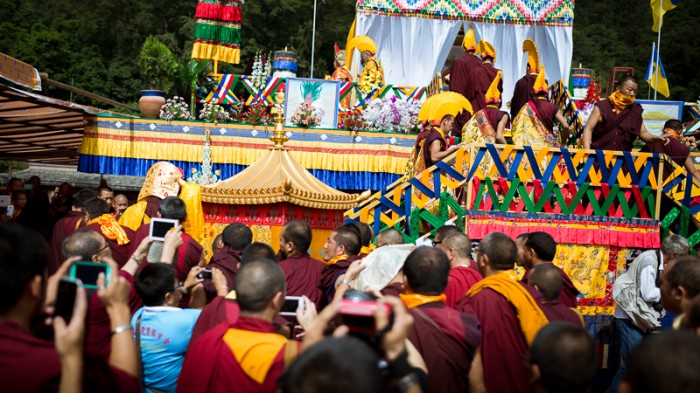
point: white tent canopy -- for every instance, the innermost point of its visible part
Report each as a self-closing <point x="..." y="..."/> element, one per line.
<point x="415" y="37"/>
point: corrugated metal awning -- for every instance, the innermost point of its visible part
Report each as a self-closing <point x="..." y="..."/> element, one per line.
<point x="37" y="128"/>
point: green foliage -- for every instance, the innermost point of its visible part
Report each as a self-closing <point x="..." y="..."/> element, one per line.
<point x="94" y="44"/>
<point x="158" y="65"/>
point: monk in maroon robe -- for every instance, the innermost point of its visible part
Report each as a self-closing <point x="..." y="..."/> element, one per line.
<point x="72" y="221"/>
<point x="508" y="313"/>
<point x="462" y="275"/>
<point x="120" y="252"/>
<point x="479" y="81"/>
<point x="540" y="248"/>
<point x="446" y="339"/>
<point x="302" y="273"/>
<point x="341" y="249"/>
<point x="616" y="122"/>
<point x="522" y="93"/>
<point x="226" y="260"/>
<point x="246" y="356"/>
<point x="547" y="279"/>
<point x="459" y="72"/>
<point x="674" y="149"/>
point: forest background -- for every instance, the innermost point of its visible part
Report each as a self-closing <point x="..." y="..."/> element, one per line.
<point x="94" y="44"/>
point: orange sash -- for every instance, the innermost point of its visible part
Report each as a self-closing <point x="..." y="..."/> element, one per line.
<point x="111" y="229"/>
<point x="414" y="300"/>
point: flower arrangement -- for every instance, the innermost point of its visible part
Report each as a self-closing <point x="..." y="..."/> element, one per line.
<point x="351" y="120"/>
<point x="392" y="114"/>
<point x="236" y="112"/>
<point x="260" y="71"/>
<point x="257" y="114"/>
<point x="306" y="116"/>
<point x="213" y="113"/>
<point x="175" y="109"/>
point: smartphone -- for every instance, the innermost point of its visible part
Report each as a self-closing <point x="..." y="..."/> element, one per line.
<point x="204" y="274"/>
<point x="87" y="273"/>
<point x="65" y="299"/>
<point x="290" y="305"/>
<point x="160" y="227"/>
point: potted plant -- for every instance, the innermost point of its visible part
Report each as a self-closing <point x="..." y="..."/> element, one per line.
<point x="194" y="73"/>
<point x="159" y="68"/>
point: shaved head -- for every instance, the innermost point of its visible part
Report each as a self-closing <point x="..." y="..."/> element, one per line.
<point x="547" y="279"/>
<point x="426" y="270"/>
<point x="257" y="283"/>
<point x="389" y="237"/>
<point x="565" y="355"/>
<point x="460" y="243"/>
<point x="83" y="243"/>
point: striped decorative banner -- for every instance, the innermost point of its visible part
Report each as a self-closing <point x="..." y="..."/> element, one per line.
<point x="217" y="33"/>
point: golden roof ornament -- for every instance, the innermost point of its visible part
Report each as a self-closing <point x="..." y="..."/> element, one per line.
<point x="277" y="177"/>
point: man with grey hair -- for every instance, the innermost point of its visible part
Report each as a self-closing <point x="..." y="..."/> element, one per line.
<point x="638" y="298"/>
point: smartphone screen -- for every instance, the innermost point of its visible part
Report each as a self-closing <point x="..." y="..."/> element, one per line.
<point x="65" y="299"/>
<point x="160" y="228"/>
<point x="290" y="305"/>
<point x="88" y="272"/>
<point x="205" y="275"/>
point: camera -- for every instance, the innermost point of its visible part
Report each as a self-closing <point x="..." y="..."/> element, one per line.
<point x="357" y="311"/>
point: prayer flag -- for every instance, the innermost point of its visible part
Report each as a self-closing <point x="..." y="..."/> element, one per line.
<point x="659" y="8"/>
<point x="655" y="68"/>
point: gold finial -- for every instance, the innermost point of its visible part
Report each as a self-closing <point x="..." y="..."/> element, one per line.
<point x="277" y="110"/>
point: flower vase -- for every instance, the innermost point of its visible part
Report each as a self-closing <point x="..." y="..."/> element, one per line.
<point x="150" y="103"/>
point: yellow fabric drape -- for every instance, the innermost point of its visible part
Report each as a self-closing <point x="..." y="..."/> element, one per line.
<point x="348" y="49"/>
<point x="530" y="316"/>
<point x="135" y="215"/>
<point x="191" y="194"/>
<point x="110" y="229"/>
<point x="414" y="300"/>
<point x="254" y="351"/>
<point x="620" y="101"/>
<point x="337" y="259"/>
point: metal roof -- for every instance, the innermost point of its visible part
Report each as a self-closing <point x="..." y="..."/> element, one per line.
<point x="37" y="128"/>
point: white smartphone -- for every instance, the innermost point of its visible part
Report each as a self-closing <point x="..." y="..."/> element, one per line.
<point x="290" y="305"/>
<point x="160" y="227"/>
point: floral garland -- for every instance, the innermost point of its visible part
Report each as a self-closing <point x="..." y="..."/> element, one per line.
<point x="370" y="79"/>
<point x="261" y="72"/>
<point x="175" y="109"/>
<point x="392" y="115"/>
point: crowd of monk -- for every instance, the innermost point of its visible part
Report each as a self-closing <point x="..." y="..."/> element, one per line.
<point x="440" y="318"/>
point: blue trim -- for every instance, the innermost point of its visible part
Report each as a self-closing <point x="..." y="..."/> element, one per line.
<point x="152" y="93"/>
<point x="351" y="181"/>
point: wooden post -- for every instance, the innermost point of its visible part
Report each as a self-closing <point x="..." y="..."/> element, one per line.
<point x="659" y="186"/>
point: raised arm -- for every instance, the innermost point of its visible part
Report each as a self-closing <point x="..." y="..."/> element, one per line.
<point x="500" y="129"/>
<point x="565" y="124"/>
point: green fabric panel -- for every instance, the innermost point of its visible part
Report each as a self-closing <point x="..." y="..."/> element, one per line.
<point x="219" y="33"/>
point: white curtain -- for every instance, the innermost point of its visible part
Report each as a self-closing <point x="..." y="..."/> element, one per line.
<point x="412" y="50"/>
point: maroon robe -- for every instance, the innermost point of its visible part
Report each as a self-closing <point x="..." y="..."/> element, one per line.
<point x="152" y="203"/>
<point x="459" y="73"/>
<point x="120" y="253"/>
<point x="461" y="120"/>
<point x="460" y="279"/>
<point x="226" y="260"/>
<point x="524" y="91"/>
<point x="546" y="111"/>
<point x="568" y="294"/>
<point x="616" y="131"/>
<point x="393" y="289"/>
<point x="219" y="311"/>
<point x="329" y="274"/>
<point x="556" y="311"/>
<point x="210" y="365"/>
<point x="302" y="273"/>
<point x="30" y="364"/>
<point x="63" y="228"/>
<point x="188" y="254"/>
<point x="98" y="337"/>
<point x="503" y="346"/>
<point x="432" y="136"/>
<point x="674" y="149"/>
<point x="494" y="115"/>
<point x="447" y="340"/>
<point x="479" y="82"/>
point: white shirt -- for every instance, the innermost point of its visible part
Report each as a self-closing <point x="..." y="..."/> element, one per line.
<point x="648" y="290"/>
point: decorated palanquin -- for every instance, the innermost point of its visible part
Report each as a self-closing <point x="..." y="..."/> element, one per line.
<point x="602" y="207"/>
<point x="272" y="191"/>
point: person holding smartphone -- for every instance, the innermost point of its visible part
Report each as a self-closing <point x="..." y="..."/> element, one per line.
<point x="30" y="364"/>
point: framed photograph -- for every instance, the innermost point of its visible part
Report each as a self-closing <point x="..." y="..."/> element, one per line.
<point x="656" y="113"/>
<point x="311" y="103"/>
